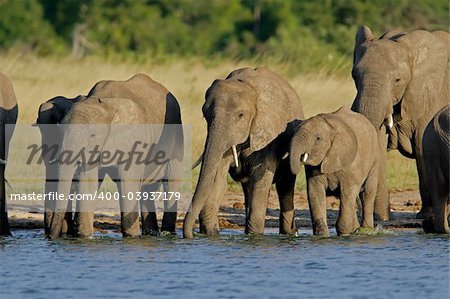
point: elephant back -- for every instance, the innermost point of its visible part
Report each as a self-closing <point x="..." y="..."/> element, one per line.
<point x="7" y="96"/>
<point x="152" y="97"/>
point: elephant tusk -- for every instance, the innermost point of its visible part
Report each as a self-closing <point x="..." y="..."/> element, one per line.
<point x="2" y="161"/>
<point x="285" y="156"/>
<point x="390" y="121"/>
<point x="305" y="157"/>
<point x="236" y="161"/>
<point x="197" y="162"/>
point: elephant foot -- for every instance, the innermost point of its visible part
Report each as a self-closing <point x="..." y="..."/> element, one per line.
<point x="212" y="233"/>
<point x="381" y="217"/>
<point x="151" y="232"/>
<point x="292" y="233"/>
<point x="166" y="233"/>
<point x="130" y="235"/>
<point x="428" y="225"/>
<point x="320" y="228"/>
<point x="424" y="213"/>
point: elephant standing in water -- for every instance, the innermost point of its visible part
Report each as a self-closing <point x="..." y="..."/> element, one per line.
<point x="402" y="81"/>
<point x="139" y="103"/>
<point x="247" y="117"/>
<point x="340" y="153"/>
<point x="436" y="150"/>
<point x="8" y="115"/>
<point x="50" y="114"/>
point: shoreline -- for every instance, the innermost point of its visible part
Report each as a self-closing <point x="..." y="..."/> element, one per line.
<point x="404" y="206"/>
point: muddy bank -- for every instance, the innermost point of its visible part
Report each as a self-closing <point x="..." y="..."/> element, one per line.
<point x="404" y="206"/>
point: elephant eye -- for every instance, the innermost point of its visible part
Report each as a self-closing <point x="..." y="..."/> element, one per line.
<point x="318" y="137"/>
<point x="397" y="80"/>
<point x="240" y="115"/>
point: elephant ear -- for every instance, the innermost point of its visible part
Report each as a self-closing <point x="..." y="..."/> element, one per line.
<point x="61" y="106"/>
<point x="429" y="63"/>
<point x="277" y="104"/>
<point x="344" y="145"/>
<point x="362" y="35"/>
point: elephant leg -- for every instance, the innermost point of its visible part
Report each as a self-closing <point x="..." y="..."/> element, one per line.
<point x="317" y="201"/>
<point x="427" y="208"/>
<point x="129" y="208"/>
<point x="88" y="182"/>
<point x="440" y="196"/>
<point x="285" y="190"/>
<point x="441" y="210"/>
<point x="345" y="224"/>
<point x="382" y="205"/>
<point x="148" y="212"/>
<point x="171" y="184"/>
<point x="257" y="202"/>
<point x="246" y="190"/>
<point x="368" y="199"/>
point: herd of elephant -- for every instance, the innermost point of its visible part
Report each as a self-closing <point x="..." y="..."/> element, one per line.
<point x="257" y="133"/>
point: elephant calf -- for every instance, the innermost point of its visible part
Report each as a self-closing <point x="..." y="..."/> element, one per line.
<point x="436" y="147"/>
<point x="340" y="154"/>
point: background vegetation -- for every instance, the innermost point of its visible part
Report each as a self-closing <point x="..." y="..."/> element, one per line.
<point x="306" y="35"/>
<point x="63" y="47"/>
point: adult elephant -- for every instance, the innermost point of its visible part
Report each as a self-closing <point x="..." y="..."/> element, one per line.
<point x="247" y="115"/>
<point x="8" y="115"/>
<point x="50" y="114"/>
<point x="139" y="103"/>
<point x="402" y="81"/>
<point x="436" y="150"/>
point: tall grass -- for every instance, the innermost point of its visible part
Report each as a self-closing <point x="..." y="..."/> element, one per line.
<point x="38" y="79"/>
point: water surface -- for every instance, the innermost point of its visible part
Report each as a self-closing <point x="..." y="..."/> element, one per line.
<point x="402" y="265"/>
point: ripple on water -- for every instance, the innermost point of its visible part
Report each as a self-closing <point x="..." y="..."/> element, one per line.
<point x="232" y="265"/>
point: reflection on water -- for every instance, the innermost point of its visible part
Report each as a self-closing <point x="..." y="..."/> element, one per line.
<point x="408" y="264"/>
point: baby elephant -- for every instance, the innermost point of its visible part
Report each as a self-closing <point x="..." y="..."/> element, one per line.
<point x="436" y="148"/>
<point x="340" y="153"/>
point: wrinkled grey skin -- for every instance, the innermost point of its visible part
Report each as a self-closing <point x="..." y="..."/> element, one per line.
<point x="404" y="75"/>
<point x="250" y="109"/>
<point x="138" y="101"/>
<point x="340" y="153"/>
<point x="8" y="115"/>
<point x="53" y="112"/>
<point x="436" y="150"/>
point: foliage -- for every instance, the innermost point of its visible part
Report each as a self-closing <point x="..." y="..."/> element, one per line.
<point x="305" y="34"/>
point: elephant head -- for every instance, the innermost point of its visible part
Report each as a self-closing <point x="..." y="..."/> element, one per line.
<point x="323" y="141"/>
<point x="396" y="74"/>
<point x="51" y="113"/>
<point x="244" y="113"/>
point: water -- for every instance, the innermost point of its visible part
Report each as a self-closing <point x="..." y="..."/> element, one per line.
<point x="400" y="265"/>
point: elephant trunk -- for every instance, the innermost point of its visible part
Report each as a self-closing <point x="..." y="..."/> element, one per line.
<point x="65" y="177"/>
<point x="213" y="154"/>
<point x="375" y="104"/>
<point x="50" y="186"/>
<point x="297" y="153"/>
<point x="66" y="171"/>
